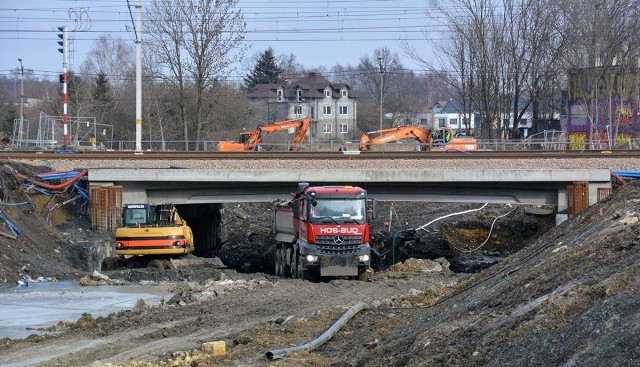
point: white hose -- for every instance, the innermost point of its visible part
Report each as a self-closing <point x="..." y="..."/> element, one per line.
<point x="490" y="230"/>
<point x="281" y="353"/>
<point x="451" y="215"/>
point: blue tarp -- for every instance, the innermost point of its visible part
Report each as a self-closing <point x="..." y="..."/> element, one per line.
<point x="628" y="174"/>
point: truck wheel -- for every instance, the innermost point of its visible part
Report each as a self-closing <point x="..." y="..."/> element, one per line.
<point x="286" y="264"/>
<point x="302" y="274"/>
<point x="294" y="265"/>
<point x="278" y="262"/>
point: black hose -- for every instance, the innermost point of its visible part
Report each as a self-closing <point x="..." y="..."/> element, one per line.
<point x="281" y="353"/>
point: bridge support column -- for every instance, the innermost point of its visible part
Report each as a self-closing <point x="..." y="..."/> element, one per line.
<point x="563" y="206"/>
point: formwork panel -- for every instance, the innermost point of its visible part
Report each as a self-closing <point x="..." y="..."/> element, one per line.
<point x="578" y="198"/>
<point x="604" y="193"/>
<point x="105" y="206"/>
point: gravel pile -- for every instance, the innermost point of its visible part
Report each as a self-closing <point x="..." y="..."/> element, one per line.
<point x="354" y="163"/>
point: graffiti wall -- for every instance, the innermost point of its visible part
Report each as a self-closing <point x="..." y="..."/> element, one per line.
<point x="602" y="105"/>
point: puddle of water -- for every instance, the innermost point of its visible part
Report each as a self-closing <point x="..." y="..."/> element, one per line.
<point x="44" y="304"/>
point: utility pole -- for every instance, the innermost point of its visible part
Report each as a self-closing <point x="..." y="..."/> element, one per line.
<point x="21" y="104"/>
<point x="381" y="87"/>
<point x="138" y="30"/>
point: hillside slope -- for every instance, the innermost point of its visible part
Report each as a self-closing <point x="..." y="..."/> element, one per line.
<point x="52" y="240"/>
<point x="569" y="299"/>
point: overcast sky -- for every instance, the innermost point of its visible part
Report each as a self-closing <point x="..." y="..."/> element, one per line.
<point x="318" y="33"/>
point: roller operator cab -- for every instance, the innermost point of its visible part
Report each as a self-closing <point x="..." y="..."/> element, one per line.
<point x="153" y="230"/>
<point x="323" y="231"/>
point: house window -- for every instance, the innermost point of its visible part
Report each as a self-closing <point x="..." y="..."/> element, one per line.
<point x="343" y="93"/>
<point x="326" y="129"/>
<point x="326" y="110"/>
<point x="523" y="122"/>
<point x="453" y="122"/>
<point x="299" y="95"/>
<point x="442" y="122"/>
<point x="327" y="93"/>
<point x="279" y="95"/>
<point x="297" y="110"/>
<point x="344" y="110"/>
<point x="313" y="112"/>
<point x="344" y="128"/>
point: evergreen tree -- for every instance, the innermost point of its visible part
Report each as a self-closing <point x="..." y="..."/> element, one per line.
<point x="101" y="91"/>
<point x="266" y="71"/>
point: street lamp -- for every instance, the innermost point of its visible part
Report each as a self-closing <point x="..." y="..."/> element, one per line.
<point x="21" y="102"/>
<point x="381" y="87"/>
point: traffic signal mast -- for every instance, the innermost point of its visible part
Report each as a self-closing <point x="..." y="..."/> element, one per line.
<point x="63" y="79"/>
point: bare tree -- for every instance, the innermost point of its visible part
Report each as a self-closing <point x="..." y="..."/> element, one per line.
<point x="471" y="52"/>
<point x="502" y="56"/>
<point x="545" y="43"/>
<point x="603" y="54"/>
<point x="113" y="57"/>
<point x="291" y="68"/>
<point x="196" y="42"/>
<point x="379" y="73"/>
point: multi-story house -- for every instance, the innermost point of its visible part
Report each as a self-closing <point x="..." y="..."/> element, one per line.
<point x="449" y="114"/>
<point x="332" y="107"/>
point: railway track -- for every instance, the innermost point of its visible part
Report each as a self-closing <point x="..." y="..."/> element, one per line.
<point x="306" y="155"/>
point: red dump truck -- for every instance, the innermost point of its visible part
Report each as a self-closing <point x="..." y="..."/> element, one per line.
<point x="323" y="231"/>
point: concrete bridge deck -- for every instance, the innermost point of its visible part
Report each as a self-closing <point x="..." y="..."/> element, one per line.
<point x="198" y="186"/>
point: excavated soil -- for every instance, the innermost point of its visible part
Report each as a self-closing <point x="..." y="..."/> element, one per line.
<point x="531" y="294"/>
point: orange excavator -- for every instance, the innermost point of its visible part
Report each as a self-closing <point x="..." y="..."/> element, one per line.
<point x="438" y="140"/>
<point x="250" y="141"/>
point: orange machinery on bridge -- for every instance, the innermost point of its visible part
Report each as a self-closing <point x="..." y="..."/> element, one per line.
<point x="438" y="140"/>
<point x="250" y="141"/>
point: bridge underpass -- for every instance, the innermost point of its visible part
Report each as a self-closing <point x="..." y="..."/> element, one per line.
<point x="200" y="194"/>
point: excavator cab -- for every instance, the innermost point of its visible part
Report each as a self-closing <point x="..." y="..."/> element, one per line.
<point x="136" y="215"/>
<point x="441" y="137"/>
<point x="244" y="137"/>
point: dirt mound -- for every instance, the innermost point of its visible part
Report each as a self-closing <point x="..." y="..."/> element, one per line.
<point x="568" y="299"/>
<point x="40" y="237"/>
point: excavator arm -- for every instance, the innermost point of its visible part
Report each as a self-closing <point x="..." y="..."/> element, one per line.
<point x="250" y="142"/>
<point x="393" y="135"/>
<point x="438" y="140"/>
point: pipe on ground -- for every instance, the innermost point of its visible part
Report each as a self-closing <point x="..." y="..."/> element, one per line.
<point x="281" y="353"/>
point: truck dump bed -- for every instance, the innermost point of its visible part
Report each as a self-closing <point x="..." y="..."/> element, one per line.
<point x="284" y="227"/>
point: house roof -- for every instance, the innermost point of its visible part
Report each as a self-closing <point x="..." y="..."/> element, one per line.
<point x="452" y="106"/>
<point x="312" y="85"/>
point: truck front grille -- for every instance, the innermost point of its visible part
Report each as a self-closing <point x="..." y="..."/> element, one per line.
<point x="338" y="245"/>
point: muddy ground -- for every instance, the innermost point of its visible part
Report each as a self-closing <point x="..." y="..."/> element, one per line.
<point x="532" y="294"/>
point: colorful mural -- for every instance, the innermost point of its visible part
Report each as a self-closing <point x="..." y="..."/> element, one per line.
<point x="602" y="105"/>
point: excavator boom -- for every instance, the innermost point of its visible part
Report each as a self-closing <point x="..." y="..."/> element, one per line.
<point x="393" y="135"/>
<point x="438" y="140"/>
<point x="251" y="141"/>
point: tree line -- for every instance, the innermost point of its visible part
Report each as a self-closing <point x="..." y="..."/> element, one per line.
<point x="499" y="58"/>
